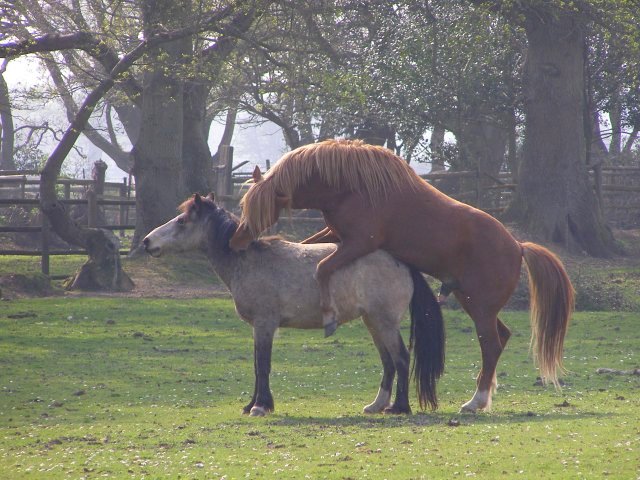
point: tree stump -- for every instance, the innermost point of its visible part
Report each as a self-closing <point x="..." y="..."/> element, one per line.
<point x="103" y="270"/>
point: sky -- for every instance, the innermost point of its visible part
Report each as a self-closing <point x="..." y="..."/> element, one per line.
<point x="254" y="144"/>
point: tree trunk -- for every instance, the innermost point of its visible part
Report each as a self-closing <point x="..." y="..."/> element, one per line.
<point x="435" y="145"/>
<point x="512" y="144"/>
<point x="196" y="156"/>
<point x="225" y="140"/>
<point x="484" y="146"/>
<point x="157" y="154"/>
<point x="615" y="118"/>
<point x="6" y="125"/>
<point x="555" y="198"/>
<point x="103" y="270"/>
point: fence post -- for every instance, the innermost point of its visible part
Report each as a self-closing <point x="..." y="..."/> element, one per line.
<point x="44" y="231"/>
<point x="98" y="176"/>
<point x="23" y="187"/>
<point x="224" y="184"/>
<point x="96" y="191"/>
<point x="92" y="208"/>
<point x="128" y="198"/>
<point x="123" y="196"/>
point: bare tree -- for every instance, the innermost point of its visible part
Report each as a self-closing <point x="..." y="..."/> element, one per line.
<point x="103" y="269"/>
<point x="6" y="123"/>
<point x="555" y="198"/>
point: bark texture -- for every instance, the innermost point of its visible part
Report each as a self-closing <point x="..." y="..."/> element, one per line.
<point x="157" y="154"/>
<point x="196" y="156"/>
<point x="6" y="125"/>
<point x="555" y="198"/>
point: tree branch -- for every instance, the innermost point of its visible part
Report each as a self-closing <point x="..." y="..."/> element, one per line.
<point x="51" y="207"/>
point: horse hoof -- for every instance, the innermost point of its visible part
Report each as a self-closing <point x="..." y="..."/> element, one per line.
<point x="468" y="409"/>
<point x="330" y="329"/>
<point x="372" y="409"/>
<point x="257" y="411"/>
<point x="393" y="410"/>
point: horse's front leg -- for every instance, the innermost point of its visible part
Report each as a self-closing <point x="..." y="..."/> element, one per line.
<point x="346" y="253"/>
<point x="326" y="235"/>
<point x="262" y="402"/>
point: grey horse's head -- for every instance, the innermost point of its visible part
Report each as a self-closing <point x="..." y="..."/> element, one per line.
<point x="187" y="231"/>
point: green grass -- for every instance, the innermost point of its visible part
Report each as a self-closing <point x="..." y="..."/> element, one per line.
<point x="613" y="288"/>
<point x="174" y="269"/>
<point x="127" y="388"/>
<point x="26" y="265"/>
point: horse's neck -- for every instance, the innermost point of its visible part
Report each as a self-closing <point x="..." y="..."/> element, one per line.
<point x="223" y="262"/>
<point x="316" y="194"/>
<point x="222" y="258"/>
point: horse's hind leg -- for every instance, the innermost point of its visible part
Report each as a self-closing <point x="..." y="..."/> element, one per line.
<point x="492" y="335"/>
<point x="247" y="408"/>
<point x="395" y="359"/>
<point x="400" y="356"/>
<point x="491" y="348"/>
<point x="504" y="333"/>
<point x="383" y="399"/>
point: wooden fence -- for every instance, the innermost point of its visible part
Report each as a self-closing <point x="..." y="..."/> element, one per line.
<point x="620" y="196"/>
<point x="98" y="203"/>
<point x="110" y="205"/>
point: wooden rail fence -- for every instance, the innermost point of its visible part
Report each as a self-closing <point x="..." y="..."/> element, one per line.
<point x="19" y="189"/>
<point x="619" y="195"/>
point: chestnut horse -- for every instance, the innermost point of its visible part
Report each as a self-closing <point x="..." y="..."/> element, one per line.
<point x="370" y="198"/>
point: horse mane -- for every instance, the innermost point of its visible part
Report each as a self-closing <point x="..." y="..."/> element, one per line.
<point x="347" y="165"/>
<point x="224" y="224"/>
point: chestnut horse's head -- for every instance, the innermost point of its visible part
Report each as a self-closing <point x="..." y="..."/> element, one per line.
<point x="261" y="208"/>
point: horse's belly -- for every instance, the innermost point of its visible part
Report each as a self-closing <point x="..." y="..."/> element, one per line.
<point x="305" y="312"/>
<point x="289" y="296"/>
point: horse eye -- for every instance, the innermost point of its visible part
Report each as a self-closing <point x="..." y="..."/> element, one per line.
<point x="181" y="221"/>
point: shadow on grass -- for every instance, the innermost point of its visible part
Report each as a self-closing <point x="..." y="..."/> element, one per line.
<point x="436" y="419"/>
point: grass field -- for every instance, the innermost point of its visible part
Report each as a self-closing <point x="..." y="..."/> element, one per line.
<point x="138" y="388"/>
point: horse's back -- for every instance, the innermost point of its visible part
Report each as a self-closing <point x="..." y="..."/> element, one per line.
<point x="444" y="237"/>
<point x="278" y="280"/>
<point x="374" y="284"/>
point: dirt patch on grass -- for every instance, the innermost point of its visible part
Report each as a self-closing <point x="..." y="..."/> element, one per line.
<point x="18" y="285"/>
<point x="601" y="284"/>
<point x="168" y="277"/>
<point x="187" y="276"/>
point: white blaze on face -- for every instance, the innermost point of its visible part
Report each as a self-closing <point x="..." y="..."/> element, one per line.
<point x="162" y="238"/>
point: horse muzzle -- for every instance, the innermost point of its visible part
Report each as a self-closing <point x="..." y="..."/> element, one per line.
<point x="151" y="250"/>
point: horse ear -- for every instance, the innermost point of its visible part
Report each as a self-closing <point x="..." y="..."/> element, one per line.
<point x="197" y="199"/>
<point x="282" y="201"/>
<point x="211" y="196"/>
<point x="257" y="174"/>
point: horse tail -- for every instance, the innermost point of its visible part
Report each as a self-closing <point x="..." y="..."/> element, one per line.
<point x="552" y="303"/>
<point x="426" y="341"/>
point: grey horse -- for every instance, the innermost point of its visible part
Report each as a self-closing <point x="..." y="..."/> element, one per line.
<point x="273" y="285"/>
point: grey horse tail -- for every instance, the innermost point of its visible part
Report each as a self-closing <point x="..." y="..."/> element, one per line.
<point x="426" y="341"/>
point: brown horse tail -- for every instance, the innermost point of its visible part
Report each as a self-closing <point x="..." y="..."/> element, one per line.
<point x="552" y="303"/>
<point x="427" y="340"/>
